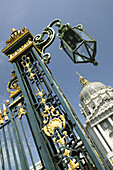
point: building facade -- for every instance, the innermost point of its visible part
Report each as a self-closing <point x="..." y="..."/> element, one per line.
<point x="97" y="107"/>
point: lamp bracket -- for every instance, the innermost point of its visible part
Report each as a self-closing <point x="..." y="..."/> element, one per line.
<point x="42" y="43"/>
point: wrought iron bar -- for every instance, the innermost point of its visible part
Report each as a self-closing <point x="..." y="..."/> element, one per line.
<point x="6" y="148"/>
<point x="21" y="144"/>
<point x="28" y="145"/>
<point x="2" y="157"/>
<point x="20" y="151"/>
<point x="12" y="146"/>
<point x="35" y="127"/>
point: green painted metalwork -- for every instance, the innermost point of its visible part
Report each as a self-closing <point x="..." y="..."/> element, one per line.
<point x="6" y="147"/>
<point x="66" y="106"/>
<point x="28" y="145"/>
<point x="40" y="143"/>
<point x="43" y="44"/>
<point x="1" y="156"/>
<point x="12" y="146"/>
<point x="40" y="107"/>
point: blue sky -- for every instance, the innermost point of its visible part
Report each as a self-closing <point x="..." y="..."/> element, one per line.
<point x="97" y="19"/>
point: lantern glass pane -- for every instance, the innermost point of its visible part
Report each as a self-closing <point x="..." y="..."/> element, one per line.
<point x="67" y="50"/>
<point x="72" y="39"/>
<point x="83" y="51"/>
<point x="82" y="34"/>
<point x="79" y="58"/>
<point x="91" y="47"/>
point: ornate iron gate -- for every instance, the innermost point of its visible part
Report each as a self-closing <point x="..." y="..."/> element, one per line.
<point x="40" y="112"/>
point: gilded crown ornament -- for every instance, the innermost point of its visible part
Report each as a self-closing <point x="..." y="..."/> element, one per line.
<point x="15" y="34"/>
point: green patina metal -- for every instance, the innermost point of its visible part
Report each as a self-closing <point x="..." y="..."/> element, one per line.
<point x="60" y="140"/>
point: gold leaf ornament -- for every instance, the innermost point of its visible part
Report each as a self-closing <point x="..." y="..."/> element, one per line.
<point x="53" y="124"/>
<point x="67" y="152"/>
<point x="5" y="114"/>
<point x="40" y="93"/>
<point x="21" y="112"/>
<point x="62" y="117"/>
<point x="73" y="165"/>
<point x="45" y="116"/>
<point x="45" y="129"/>
<point x="47" y="108"/>
<point x="1" y="119"/>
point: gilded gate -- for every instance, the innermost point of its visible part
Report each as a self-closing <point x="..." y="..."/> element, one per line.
<point x="39" y="123"/>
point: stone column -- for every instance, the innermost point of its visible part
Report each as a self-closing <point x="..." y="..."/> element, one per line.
<point x="104" y="136"/>
<point x="101" y="139"/>
<point x="110" y="121"/>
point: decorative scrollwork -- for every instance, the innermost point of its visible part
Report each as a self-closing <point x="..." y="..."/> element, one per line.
<point x="55" y="126"/>
<point x="54" y="122"/>
<point x="13" y="87"/>
<point x="43" y="44"/>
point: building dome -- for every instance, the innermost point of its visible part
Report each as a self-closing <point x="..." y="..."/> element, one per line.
<point x="97" y="108"/>
<point x="95" y="98"/>
<point x="89" y="88"/>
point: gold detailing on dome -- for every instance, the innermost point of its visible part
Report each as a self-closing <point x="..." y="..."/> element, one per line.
<point x="15" y="34"/>
<point x="83" y="81"/>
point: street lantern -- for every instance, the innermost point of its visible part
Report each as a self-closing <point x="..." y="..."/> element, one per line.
<point x="79" y="46"/>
